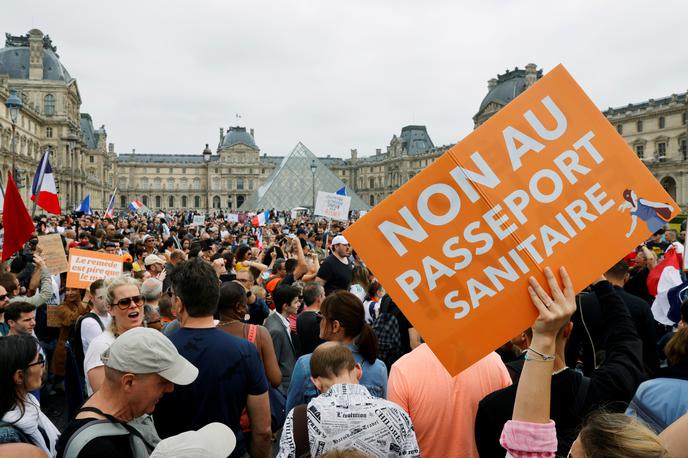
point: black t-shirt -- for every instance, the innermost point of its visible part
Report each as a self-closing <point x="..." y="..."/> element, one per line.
<point x="336" y="274"/>
<point x="229" y="370"/>
<point x="101" y="447"/>
<point x="637" y="284"/>
<point x="308" y="331"/>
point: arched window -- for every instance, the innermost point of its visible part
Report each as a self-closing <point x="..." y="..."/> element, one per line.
<point x="49" y="105"/>
<point x="170" y="202"/>
<point x="144" y="200"/>
<point x="216" y="202"/>
<point x="184" y="202"/>
<point x="669" y="185"/>
<point x="197" y="201"/>
<point x="158" y="202"/>
<point x="240" y="200"/>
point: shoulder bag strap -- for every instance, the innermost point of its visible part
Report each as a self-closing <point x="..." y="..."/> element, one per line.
<point x="303" y="447"/>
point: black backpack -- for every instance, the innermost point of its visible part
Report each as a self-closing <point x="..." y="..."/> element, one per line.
<point x="75" y="340"/>
<point x="386" y="327"/>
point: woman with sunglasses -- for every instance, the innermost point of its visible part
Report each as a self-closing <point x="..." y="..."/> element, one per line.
<point x="126" y="309"/>
<point x="341" y="320"/>
<point x="21" y="371"/>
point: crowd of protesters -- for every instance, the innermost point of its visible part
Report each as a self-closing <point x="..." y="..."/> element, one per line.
<point x="229" y="339"/>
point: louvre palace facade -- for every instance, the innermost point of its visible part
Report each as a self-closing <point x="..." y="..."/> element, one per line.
<point x="224" y="175"/>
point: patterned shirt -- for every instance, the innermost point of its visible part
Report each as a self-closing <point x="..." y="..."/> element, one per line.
<point x="348" y="416"/>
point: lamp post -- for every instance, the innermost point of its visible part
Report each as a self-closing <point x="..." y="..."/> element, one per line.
<point x="206" y="158"/>
<point x="314" y="167"/>
<point x="71" y="144"/>
<point x="14" y="105"/>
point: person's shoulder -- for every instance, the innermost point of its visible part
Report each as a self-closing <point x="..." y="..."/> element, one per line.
<point x="103" y="340"/>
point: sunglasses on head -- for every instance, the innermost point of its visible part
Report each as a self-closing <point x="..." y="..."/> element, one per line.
<point x="3" y="297"/>
<point x="125" y="302"/>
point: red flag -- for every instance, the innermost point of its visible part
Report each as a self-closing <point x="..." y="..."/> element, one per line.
<point x="16" y="221"/>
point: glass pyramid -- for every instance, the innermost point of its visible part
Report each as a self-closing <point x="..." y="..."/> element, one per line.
<point x="291" y="184"/>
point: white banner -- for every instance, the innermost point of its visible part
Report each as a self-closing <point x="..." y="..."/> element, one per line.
<point x="332" y="206"/>
<point x="232" y="218"/>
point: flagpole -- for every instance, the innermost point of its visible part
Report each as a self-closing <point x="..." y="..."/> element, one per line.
<point x="41" y="171"/>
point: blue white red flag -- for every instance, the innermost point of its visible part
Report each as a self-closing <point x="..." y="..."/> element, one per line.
<point x="110" y="211"/>
<point x="43" y="189"/>
<point x="261" y="218"/>
<point x="135" y="205"/>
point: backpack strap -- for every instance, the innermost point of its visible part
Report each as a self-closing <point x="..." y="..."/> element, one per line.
<point x="303" y="446"/>
<point x="139" y="445"/>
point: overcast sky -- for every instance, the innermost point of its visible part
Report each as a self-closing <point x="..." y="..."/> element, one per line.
<point x="164" y="76"/>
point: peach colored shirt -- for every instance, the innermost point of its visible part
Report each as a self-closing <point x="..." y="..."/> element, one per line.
<point x="443" y="408"/>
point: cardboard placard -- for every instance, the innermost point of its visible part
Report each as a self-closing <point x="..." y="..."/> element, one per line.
<point x="87" y="266"/>
<point x="332" y="206"/>
<point x="547" y="181"/>
<point x="53" y="253"/>
<point x="199" y="220"/>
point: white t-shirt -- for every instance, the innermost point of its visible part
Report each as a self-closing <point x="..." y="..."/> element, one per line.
<point x="90" y="329"/>
<point x="95" y="349"/>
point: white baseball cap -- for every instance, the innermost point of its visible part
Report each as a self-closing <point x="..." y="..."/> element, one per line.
<point x="147" y="351"/>
<point x="153" y="259"/>
<point x="339" y="240"/>
<point x="214" y="440"/>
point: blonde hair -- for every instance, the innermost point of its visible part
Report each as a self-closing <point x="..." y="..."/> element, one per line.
<point x="611" y="435"/>
<point x="259" y="291"/>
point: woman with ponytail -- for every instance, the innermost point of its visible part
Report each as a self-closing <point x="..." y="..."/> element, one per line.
<point x="341" y="320"/>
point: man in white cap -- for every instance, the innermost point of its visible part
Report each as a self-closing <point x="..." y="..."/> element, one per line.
<point x="140" y="367"/>
<point x="336" y="270"/>
<point x="155" y="265"/>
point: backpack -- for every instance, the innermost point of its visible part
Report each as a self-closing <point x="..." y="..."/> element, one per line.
<point x="386" y="327"/>
<point x="140" y="447"/>
<point x="76" y="343"/>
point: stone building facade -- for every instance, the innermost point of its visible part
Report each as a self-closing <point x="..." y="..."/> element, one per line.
<point x="49" y="118"/>
<point x="223" y="178"/>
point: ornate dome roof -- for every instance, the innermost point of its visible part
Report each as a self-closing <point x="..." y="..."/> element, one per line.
<point x="14" y="59"/>
<point x="238" y="135"/>
<point x="509" y="85"/>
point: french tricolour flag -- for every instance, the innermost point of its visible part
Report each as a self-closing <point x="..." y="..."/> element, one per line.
<point x="43" y="189"/>
<point x="135" y="205"/>
<point x="665" y="283"/>
<point x="261" y="218"/>
<point x="110" y="210"/>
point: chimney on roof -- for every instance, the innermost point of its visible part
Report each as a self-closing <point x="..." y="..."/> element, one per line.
<point x="222" y="135"/>
<point x="491" y="83"/>
<point x="531" y="74"/>
<point x="378" y="151"/>
<point x="111" y="147"/>
<point x="35" y="54"/>
<point x="253" y="136"/>
<point x="133" y="151"/>
<point x="354" y="154"/>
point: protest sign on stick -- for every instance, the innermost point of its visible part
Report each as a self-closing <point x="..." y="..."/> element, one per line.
<point x="547" y="181"/>
<point x="52" y="251"/>
<point x="87" y="266"/>
<point x="199" y="220"/>
<point x="332" y="206"/>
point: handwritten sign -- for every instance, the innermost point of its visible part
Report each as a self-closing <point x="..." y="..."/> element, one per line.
<point x="52" y="251"/>
<point x="539" y="184"/>
<point x="87" y="266"/>
<point x="332" y="206"/>
<point x="232" y="218"/>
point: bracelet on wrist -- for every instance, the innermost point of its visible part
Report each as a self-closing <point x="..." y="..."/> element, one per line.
<point x="538" y="356"/>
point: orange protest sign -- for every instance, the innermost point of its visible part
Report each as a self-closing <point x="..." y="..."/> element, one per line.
<point x="87" y="266"/>
<point x="547" y="181"/>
